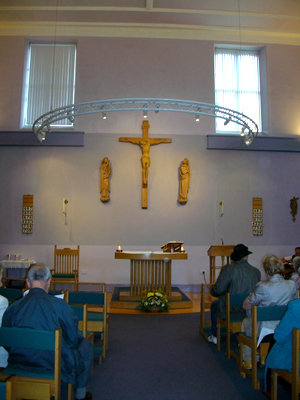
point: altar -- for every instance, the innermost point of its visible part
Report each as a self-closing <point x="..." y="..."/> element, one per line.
<point x="18" y="269"/>
<point x="149" y="270"/>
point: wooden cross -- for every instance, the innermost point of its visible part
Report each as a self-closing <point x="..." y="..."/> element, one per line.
<point x="145" y="142"/>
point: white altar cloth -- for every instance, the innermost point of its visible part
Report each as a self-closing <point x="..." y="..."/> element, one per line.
<point x="17" y="263"/>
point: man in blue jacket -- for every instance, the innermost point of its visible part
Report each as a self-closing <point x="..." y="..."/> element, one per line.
<point x="39" y="310"/>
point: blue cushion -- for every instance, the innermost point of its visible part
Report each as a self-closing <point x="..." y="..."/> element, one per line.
<point x="63" y="275"/>
<point x="28" y="373"/>
<point x="94" y="316"/>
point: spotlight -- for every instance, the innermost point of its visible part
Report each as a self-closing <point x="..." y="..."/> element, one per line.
<point x="226" y="122"/>
<point x="104" y="115"/>
<point x="247" y="142"/>
<point x="41" y="136"/>
<point x="145" y="114"/>
<point x="243" y="132"/>
<point x="70" y="117"/>
<point x="197" y="117"/>
<point x="157" y="108"/>
<point x="248" y="139"/>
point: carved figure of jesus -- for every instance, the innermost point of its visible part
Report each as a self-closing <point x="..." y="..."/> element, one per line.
<point x="105" y="171"/>
<point x="145" y="142"/>
<point x="145" y="146"/>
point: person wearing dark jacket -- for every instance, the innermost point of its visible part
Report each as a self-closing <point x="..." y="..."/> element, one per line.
<point x="40" y="310"/>
<point x="237" y="277"/>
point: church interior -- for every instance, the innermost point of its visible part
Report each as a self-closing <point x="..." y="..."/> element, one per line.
<point x="149" y="49"/>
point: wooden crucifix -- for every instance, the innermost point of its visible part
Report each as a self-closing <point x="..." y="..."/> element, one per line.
<point x="145" y="142"/>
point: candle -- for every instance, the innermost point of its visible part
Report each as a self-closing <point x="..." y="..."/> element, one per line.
<point x="119" y="248"/>
<point x="182" y="249"/>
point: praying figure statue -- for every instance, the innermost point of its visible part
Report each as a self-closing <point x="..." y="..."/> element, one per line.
<point x="105" y="172"/>
<point x="185" y="174"/>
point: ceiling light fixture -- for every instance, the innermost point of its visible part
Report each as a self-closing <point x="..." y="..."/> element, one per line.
<point x="71" y="111"/>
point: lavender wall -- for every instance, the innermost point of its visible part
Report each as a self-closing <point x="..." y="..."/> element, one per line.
<point x="119" y="68"/>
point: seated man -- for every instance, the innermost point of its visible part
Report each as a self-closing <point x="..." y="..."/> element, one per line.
<point x="237" y="277"/>
<point x="289" y="259"/>
<point x="275" y="291"/>
<point x="39" y="310"/>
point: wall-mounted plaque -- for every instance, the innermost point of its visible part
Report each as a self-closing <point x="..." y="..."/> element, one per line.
<point x="257" y="216"/>
<point x="27" y="214"/>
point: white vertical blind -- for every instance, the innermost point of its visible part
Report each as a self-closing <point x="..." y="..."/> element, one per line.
<point x="237" y="85"/>
<point x="50" y="80"/>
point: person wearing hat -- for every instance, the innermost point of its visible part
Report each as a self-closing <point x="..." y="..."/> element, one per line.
<point x="237" y="277"/>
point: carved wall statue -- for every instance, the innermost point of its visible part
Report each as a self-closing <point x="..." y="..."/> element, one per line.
<point x="184" y="186"/>
<point x="294" y="207"/>
<point x="105" y="171"/>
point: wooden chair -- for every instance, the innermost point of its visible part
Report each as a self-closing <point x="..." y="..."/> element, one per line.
<point x="97" y="318"/>
<point x="233" y="321"/>
<point x="81" y="312"/>
<point x="291" y="377"/>
<point x="66" y="266"/>
<point x="25" y="384"/>
<point x="204" y="328"/>
<point x="271" y="313"/>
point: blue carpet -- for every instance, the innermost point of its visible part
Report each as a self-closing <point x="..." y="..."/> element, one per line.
<point x="164" y="357"/>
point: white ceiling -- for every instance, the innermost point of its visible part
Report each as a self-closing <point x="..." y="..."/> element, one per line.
<point x="267" y="21"/>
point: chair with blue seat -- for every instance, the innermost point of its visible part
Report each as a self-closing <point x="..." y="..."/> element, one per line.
<point x="81" y="313"/>
<point x="258" y="314"/>
<point x="97" y="318"/>
<point x="233" y="321"/>
<point x="3" y="379"/>
<point x="26" y="384"/>
<point x="205" y="325"/>
<point x="66" y="266"/>
<point x="291" y="377"/>
<point x="11" y="294"/>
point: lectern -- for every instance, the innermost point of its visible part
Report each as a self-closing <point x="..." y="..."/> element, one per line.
<point x="223" y="251"/>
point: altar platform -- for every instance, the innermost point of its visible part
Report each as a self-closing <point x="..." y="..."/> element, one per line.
<point x="122" y="299"/>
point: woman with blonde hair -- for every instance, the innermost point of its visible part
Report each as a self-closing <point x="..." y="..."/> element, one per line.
<point x="275" y="290"/>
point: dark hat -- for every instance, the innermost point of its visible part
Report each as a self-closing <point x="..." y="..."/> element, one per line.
<point x="240" y="251"/>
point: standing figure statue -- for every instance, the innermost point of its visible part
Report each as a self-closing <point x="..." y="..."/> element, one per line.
<point x="185" y="174"/>
<point x="294" y="207"/>
<point x="105" y="172"/>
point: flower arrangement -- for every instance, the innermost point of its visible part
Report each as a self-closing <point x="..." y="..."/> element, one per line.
<point x="154" y="299"/>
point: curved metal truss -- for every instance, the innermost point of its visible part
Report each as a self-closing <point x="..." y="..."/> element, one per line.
<point x="249" y="128"/>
